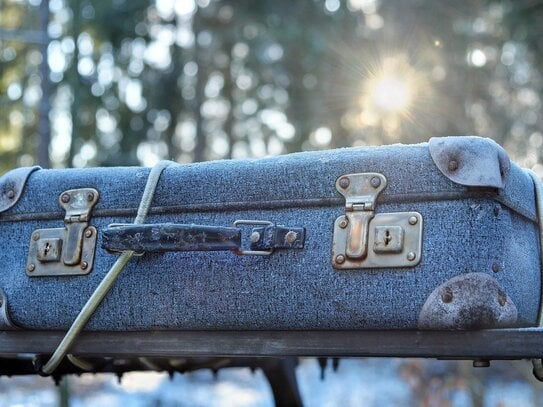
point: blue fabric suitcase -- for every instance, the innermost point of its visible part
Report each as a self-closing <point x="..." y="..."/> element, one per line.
<point x="440" y="235"/>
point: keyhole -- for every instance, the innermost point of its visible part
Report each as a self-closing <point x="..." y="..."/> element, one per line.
<point x="46" y="249"/>
<point x="388" y="238"/>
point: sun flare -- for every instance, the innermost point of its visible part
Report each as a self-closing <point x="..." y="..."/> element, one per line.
<point x="389" y="93"/>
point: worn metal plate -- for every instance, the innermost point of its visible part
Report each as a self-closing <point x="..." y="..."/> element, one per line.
<point x="406" y="255"/>
<point x="470" y="161"/>
<point x="48" y="267"/>
<point x="12" y="184"/>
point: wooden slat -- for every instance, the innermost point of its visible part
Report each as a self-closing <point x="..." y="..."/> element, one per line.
<point x="486" y="344"/>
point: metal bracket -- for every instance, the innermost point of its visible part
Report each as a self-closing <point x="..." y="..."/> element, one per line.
<point x="69" y="250"/>
<point x="363" y="239"/>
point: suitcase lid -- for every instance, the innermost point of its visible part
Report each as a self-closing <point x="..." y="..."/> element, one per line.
<point x="418" y="172"/>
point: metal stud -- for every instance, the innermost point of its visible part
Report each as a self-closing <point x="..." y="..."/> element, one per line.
<point x="65" y="198"/>
<point x="340" y="259"/>
<point x="413" y="220"/>
<point x="31" y="267"/>
<point x="291" y="236"/>
<point x="84" y="265"/>
<point x="10" y="194"/>
<point x="447" y="295"/>
<point x="453" y="165"/>
<point x="375" y="182"/>
<point x="411" y="256"/>
<point x="343" y="223"/>
<point x="344" y="182"/>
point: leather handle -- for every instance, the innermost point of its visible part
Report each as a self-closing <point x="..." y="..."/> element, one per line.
<point x="167" y="237"/>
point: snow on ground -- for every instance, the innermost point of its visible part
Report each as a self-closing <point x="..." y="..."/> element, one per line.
<point x="357" y="382"/>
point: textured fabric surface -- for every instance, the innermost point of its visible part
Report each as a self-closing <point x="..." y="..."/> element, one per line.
<point x="295" y="289"/>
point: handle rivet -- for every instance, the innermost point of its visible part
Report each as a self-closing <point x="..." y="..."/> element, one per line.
<point x="340" y="259"/>
<point x="11" y="194"/>
<point x="65" y="198"/>
<point x="291" y="236"/>
<point x="84" y="265"/>
<point x="413" y="220"/>
<point x="35" y="236"/>
<point x="31" y="267"/>
<point x="255" y="237"/>
<point x="88" y="233"/>
<point x="411" y="256"/>
<point x="343" y="223"/>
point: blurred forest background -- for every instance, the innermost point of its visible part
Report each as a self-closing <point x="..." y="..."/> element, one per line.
<point x="127" y="82"/>
<point x="130" y="82"/>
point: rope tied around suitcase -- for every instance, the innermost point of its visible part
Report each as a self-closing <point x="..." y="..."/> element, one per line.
<point x="109" y="279"/>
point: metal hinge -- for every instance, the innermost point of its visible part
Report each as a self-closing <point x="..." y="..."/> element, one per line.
<point x="364" y="239"/>
<point x="69" y="250"/>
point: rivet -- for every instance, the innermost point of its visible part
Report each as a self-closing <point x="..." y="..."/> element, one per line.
<point x="413" y="220"/>
<point x="31" y="267"/>
<point x="502" y="299"/>
<point x="481" y="363"/>
<point x="88" y="233"/>
<point x="255" y="237"/>
<point x="411" y="256"/>
<point x="343" y="223"/>
<point x="36" y="236"/>
<point x="10" y="194"/>
<point x="90" y="196"/>
<point x="453" y="165"/>
<point x="291" y="236"/>
<point x="375" y="182"/>
<point x="344" y="182"/>
<point x="340" y="259"/>
<point x="447" y="295"/>
<point x="84" y="265"/>
<point x="65" y="198"/>
<point x="495" y="267"/>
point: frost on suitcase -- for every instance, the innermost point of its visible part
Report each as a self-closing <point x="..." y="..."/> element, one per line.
<point x="441" y="235"/>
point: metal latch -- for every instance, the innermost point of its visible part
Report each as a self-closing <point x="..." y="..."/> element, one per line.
<point x="363" y="239"/>
<point x="68" y="250"/>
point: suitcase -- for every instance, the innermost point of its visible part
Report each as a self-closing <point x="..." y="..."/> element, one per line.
<point x="436" y="236"/>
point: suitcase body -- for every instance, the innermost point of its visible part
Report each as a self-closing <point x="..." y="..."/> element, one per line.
<point x="471" y="261"/>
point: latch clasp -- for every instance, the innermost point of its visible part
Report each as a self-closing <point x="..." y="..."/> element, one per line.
<point x="364" y="239"/>
<point x="69" y="250"/>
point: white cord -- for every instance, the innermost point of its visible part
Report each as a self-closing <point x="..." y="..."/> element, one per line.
<point x="109" y="279"/>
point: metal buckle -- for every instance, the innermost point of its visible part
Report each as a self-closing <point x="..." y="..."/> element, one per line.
<point x="69" y="250"/>
<point x="364" y="239"/>
<point x="241" y="252"/>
